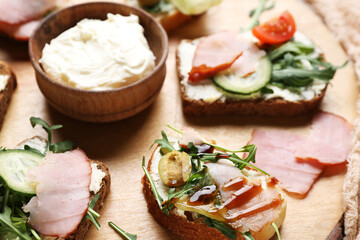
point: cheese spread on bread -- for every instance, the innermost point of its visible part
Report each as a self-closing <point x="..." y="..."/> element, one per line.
<point x="100" y="55"/>
<point x="3" y="81"/>
<point x="208" y="92"/>
<point x="97" y="176"/>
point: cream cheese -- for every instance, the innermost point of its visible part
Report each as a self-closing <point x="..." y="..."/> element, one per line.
<point x="100" y="55"/>
<point x="3" y="81"/>
<point x="208" y="92"/>
<point x="97" y="176"/>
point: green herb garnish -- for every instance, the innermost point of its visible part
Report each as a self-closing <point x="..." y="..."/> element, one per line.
<point x="91" y="214"/>
<point x="56" y="147"/>
<point x="255" y="14"/>
<point x="222" y="227"/>
<point x="165" y="145"/>
<point x="247" y="235"/>
<point x="124" y="234"/>
<point x="162" y="7"/>
<point x="276" y="230"/>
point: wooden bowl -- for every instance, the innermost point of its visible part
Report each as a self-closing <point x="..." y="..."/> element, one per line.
<point x="106" y="105"/>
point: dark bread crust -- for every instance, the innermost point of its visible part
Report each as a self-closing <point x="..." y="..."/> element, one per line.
<point x="180" y="226"/>
<point x="84" y="226"/>
<point x="261" y="107"/>
<point x="6" y="94"/>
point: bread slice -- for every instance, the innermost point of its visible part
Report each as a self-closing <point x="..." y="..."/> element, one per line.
<point x="230" y="106"/>
<point x="184" y="226"/>
<point x="169" y="20"/>
<point x="6" y="89"/>
<point x="39" y="143"/>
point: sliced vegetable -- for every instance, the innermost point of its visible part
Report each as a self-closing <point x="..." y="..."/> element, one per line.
<point x="277" y="30"/>
<point x="194" y="7"/>
<point x="14" y="165"/>
<point x="244" y="85"/>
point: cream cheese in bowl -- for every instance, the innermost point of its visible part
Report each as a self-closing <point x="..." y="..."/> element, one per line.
<point x="99" y="55"/>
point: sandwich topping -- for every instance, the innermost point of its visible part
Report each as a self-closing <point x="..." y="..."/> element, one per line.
<point x="276" y="62"/>
<point x="63" y="181"/>
<point x="221" y="188"/>
<point x="3" y="81"/>
<point x="45" y="188"/>
<point x="95" y="55"/>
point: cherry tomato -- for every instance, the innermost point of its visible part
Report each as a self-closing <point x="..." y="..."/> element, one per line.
<point x="277" y="30"/>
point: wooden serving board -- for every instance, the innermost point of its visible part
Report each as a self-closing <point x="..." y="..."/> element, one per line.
<point x="122" y="144"/>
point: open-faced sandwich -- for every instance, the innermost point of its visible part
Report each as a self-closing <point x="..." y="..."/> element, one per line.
<point x="49" y="191"/>
<point x="174" y="13"/>
<point x="269" y="69"/>
<point x="7" y="87"/>
<point x="199" y="190"/>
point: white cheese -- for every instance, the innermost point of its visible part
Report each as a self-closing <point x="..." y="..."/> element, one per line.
<point x="208" y="92"/>
<point x="3" y="81"/>
<point x="97" y="176"/>
<point x="100" y="55"/>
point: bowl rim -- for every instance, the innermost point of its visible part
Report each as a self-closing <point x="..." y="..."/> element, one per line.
<point x="158" y="67"/>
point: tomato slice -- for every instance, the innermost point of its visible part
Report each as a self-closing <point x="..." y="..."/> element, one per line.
<point x="277" y="30"/>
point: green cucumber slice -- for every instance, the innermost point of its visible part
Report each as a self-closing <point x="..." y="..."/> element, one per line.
<point x="14" y="165"/>
<point x="245" y="85"/>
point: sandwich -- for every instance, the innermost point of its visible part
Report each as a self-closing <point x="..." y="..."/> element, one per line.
<point x="48" y="190"/>
<point x="269" y="69"/>
<point x="7" y="87"/>
<point x="173" y="13"/>
<point x="199" y="190"/>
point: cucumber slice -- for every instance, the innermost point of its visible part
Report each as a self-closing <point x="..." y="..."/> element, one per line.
<point x="245" y="85"/>
<point x="14" y="165"/>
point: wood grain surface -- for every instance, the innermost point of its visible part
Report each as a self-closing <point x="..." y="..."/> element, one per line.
<point x="122" y="144"/>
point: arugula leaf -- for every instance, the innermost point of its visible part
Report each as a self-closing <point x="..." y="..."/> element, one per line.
<point x="61" y="147"/>
<point x="290" y="47"/>
<point x="7" y="225"/>
<point x="271" y="6"/>
<point x="56" y="147"/>
<point x="276" y="230"/>
<point x="165" y="145"/>
<point x="222" y="227"/>
<point x="91" y="214"/>
<point x="162" y="7"/>
<point x="255" y="14"/>
<point x="247" y="235"/>
<point x="157" y="196"/>
<point x="124" y="234"/>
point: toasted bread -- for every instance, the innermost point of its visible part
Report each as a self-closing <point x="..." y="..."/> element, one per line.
<point x="7" y="91"/>
<point x="39" y="143"/>
<point x="182" y="223"/>
<point x="258" y="106"/>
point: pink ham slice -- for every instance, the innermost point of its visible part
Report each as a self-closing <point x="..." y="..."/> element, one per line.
<point x="276" y="155"/>
<point x="214" y="53"/>
<point x="222" y="51"/>
<point x="62" y="193"/>
<point x="13" y="12"/>
<point x="18" y="18"/>
<point x="329" y="140"/>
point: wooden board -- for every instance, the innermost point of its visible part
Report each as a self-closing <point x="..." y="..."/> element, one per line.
<point x="122" y="144"/>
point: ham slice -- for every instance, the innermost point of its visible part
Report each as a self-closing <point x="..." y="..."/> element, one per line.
<point x="276" y="155"/>
<point x="13" y="12"/>
<point x="221" y="51"/>
<point x="329" y="140"/>
<point x="248" y="206"/>
<point x="18" y="18"/>
<point x="214" y="54"/>
<point x="62" y="194"/>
